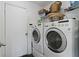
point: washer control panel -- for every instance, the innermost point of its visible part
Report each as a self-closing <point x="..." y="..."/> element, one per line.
<point x="63" y="23"/>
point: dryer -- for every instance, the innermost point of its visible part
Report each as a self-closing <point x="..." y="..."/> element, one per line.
<point x="36" y="36"/>
<point x="61" y="38"/>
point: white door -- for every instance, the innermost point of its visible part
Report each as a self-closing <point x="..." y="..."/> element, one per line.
<point x="16" y="27"/>
<point x="2" y="38"/>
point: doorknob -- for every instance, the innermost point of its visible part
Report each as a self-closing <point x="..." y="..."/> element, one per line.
<point x="1" y="44"/>
<point x="26" y="34"/>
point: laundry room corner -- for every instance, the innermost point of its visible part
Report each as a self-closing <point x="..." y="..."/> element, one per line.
<point x="39" y="28"/>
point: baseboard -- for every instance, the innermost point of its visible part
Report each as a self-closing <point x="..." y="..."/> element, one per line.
<point x="27" y="55"/>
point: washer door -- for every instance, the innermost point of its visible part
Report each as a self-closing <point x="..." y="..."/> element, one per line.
<point x="56" y="40"/>
<point x="36" y="35"/>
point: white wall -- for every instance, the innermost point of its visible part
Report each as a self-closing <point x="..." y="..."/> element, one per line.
<point x="32" y="12"/>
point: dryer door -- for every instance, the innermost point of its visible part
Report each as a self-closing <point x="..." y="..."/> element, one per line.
<point x="56" y="40"/>
<point x="36" y="35"/>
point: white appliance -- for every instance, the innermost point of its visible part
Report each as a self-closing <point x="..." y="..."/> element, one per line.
<point x="36" y="36"/>
<point x="61" y="38"/>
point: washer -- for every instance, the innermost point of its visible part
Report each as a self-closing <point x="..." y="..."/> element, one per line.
<point x="37" y="39"/>
<point x="61" y="38"/>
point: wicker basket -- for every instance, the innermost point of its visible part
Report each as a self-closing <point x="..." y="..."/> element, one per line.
<point x="55" y="16"/>
<point x="55" y="7"/>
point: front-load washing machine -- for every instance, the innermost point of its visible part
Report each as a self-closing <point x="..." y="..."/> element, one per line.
<point x="61" y="38"/>
<point x="36" y="36"/>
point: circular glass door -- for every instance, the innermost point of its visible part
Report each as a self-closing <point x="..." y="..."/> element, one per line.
<point x="36" y="35"/>
<point x="56" y="40"/>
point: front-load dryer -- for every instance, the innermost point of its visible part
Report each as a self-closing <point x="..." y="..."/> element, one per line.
<point x="37" y="39"/>
<point x="61" y="38"/>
